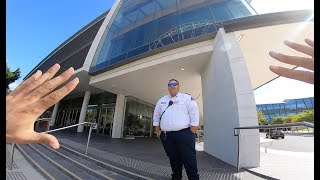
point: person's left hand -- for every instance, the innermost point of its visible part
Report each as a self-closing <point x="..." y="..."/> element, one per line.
<point x="193" y="129"/>
<point x="305" y="62"/>
<point x="29" y="100"/>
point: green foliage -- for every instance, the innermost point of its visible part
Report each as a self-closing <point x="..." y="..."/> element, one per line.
<point x="261" y="119"/>
<point x="289" y="119"/>
<point x="277" y="120"/>
<point x="11" y="76"/>
<point x="307" y="116"/>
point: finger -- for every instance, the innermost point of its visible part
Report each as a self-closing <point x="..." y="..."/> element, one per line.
<point x="307" y="63"/>
<point x="309" y="42"/>
<point x="54" y="97"/>
<point x="20" y="91"/>
<point x="47" y="139"/>
<point x="305" y="76"/>
<point x="49" y="86"/>
<point x="45" y="77"/>
<point x="301" y="48"/>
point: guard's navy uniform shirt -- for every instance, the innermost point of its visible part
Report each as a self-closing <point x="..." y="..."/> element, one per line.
<point x="183" y="113"/>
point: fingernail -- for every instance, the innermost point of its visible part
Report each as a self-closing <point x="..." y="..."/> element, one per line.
<point x="38" y="72"/>
<point x="71" y="69"/>
<point x="286" y="42"/>
<point x="75" y="80"/>
<point x="272" y="67"/>
<point x="54" y="145"/>
<point x="272" y="53"/>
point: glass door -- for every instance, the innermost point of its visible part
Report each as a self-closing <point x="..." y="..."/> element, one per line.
<point x="138" y="118"/>
<point x="105" y="121"/>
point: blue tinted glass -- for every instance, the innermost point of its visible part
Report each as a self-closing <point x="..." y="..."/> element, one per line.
<point x="142" y="26"/>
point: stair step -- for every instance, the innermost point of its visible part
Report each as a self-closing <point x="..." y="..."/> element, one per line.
<point x="66" y="163"/>
<point x="41" y="162"/>
<point x="86" y="164"/>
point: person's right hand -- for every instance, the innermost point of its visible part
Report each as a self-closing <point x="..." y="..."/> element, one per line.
<point x="158" y="130"/>
<point x="308" y="63"/>
<point x="30" y="99"/>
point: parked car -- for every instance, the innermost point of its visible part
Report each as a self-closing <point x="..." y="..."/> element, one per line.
<point x="275" y="134"/>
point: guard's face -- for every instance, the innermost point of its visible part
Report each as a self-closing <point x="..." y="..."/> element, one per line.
<point x="173" y="88"/>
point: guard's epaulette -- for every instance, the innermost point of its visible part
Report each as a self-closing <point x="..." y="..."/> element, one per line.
<point x="192" y="99"/>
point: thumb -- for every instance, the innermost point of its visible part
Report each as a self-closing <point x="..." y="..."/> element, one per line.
<point x="48" y="139"/>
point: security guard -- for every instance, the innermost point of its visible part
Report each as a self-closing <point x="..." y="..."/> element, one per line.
<point x="176" y="119"/>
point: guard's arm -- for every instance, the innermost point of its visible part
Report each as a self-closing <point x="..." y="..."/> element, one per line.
<point x="193" y="111"/>
<point x="156" y="118"/>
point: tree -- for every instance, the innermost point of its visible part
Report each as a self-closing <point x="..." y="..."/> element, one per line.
<point x="261" y="119"/>
<point x="307" y="116"/>
<point x="277" y="120"/>
<point x="11" y="76"/>
<point x="289" y="119"/>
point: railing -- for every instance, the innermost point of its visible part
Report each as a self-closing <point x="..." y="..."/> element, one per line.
<point x="237" y="132"/>
<point x="92" y="126"/>
<point x="200" y="135"/>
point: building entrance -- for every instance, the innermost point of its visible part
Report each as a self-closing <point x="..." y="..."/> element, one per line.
<point x="138" y="118"/>
<point x="105" y="121"/>
<point x="67" y="117"/>
<point x="103" y="116"/>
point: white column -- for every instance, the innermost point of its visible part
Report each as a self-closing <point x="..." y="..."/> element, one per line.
<point x="54" y="113"/>
<point x="118" y="117"/>
<point x="228" y="102"/>
<point x="83" y="112"/>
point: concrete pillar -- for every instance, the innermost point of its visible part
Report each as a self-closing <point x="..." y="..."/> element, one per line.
<point x="118" y="117"/>
<point x="54" y="114"/>
<point x="228" y="102"/>
<point x="83" y="112"/>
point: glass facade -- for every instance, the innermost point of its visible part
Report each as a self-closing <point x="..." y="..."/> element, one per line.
<point x="288" y="107"/>
<point x="138" y="118"/>
<point x="100" y="110"/>
<point x="142" y="26"/>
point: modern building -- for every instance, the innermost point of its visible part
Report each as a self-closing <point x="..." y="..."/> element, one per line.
<point x="217" y="49"/>
<point x="286" y="108"/>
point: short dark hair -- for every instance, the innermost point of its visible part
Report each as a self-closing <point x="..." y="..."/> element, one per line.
<point x="174" y="80"/>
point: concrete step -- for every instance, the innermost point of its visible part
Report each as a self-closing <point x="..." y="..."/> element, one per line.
<point x="61" y="164"/>
<point x="106" y="166"/>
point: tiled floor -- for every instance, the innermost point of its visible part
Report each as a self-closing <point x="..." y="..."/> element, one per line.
<point x="146" y="156"/>
<point x="21" y="169"/>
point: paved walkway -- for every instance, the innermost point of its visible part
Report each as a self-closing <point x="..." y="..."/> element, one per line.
<point x="21" y="169"/>
<point x="146" y="156"/>
<point x="286" y="165"/>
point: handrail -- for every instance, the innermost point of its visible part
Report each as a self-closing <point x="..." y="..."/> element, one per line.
<point x="92" y="126"/>
<point x="307" y="124"/>
<point x="237" y="129"/>
<point x="43" y="119"/>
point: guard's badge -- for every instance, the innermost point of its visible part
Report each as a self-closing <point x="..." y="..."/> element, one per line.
<point x="163" y="102"/>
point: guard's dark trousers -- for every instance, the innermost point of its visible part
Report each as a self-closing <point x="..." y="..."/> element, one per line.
<point x="180" y="148"/>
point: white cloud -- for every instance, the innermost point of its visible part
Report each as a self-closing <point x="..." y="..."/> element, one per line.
<point x="270" y="6"/>
<point x="15" y="84"/>
<point x="283" y="88"/>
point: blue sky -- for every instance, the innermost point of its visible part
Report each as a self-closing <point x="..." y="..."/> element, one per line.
<point x="34" y="28"/>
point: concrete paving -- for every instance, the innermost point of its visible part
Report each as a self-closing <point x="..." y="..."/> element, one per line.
<point x="286" y="164"/>
<point x="21" y="169"/>
<point x="146" y="156"/>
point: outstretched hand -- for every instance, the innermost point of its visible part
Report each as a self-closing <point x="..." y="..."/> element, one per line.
<point x="306" y="62"/>
<point x="30" y="99"/>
